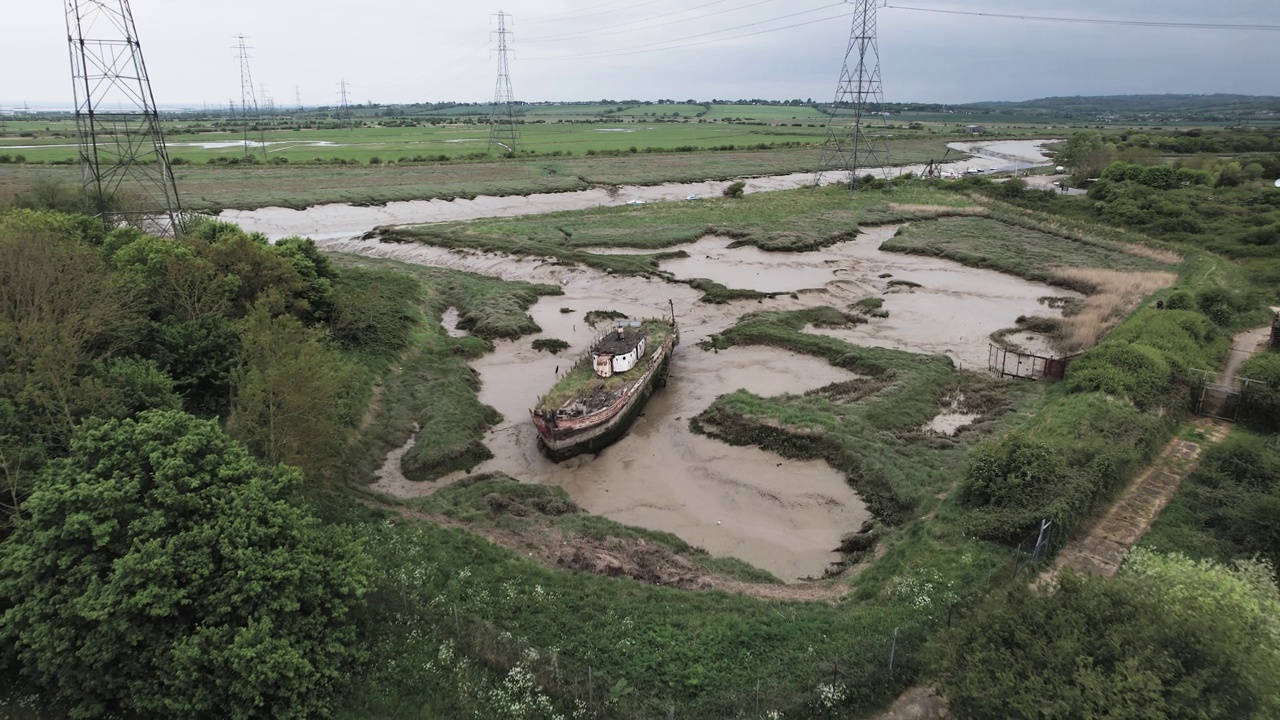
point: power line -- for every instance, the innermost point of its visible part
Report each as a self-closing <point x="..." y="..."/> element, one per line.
<point x="546" y="18"/>
<point x="597" y="31"/>
<point x="1094" y="21"/>
<point x="637" y="49"/>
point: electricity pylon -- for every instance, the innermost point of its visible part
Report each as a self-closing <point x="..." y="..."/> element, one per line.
<point x="504" y="132"/>
<point x="859" y="101"/>
<point x="250" y="115"/>
<point x="124" y="164"/>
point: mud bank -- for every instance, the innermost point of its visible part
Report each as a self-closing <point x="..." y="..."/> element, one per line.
<point x="340" y="221"/>
<point x="782" y="515"/>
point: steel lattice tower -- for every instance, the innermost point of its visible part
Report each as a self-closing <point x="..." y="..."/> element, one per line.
<point x="344" y="110"/>
<point x="504" y="132"/>
<point x="124" y="165"/>
<point x="249" y="113"/>
<point x="859" y="97"/>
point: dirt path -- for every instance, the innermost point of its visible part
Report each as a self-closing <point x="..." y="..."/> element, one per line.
<point x="1103" y="549"/>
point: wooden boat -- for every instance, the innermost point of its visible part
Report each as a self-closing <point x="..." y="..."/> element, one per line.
<point x="594" y="404"/>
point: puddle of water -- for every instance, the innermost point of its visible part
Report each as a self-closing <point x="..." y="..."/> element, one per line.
<point x="949" y="423"/>
<point x="338" y="221"/>
<point x="449" y="320"/>
<point x="752" y="268"/>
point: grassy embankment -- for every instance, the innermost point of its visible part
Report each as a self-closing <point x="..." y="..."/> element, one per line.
<point x="581" y="380"/>
<point x="785" y="221"/>
<point x="1121" y="402"/>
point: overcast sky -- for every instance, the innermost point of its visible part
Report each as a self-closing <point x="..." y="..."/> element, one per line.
<point x="396" y="51"/>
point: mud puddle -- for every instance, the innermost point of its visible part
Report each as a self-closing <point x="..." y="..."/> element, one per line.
<point x="339" y="221"/>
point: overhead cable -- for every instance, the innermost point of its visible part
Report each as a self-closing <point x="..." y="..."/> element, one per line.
<point x="636" y="49"/>
<point x="1095" y="21"/>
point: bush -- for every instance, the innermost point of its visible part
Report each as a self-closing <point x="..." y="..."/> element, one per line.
<point x="1012" y="466"/>
<point x="1260" y="405"/>
<point x="373" y="311"/>
<point x="735" y="190"/>
<point x="1166" y="638"/>
<point x="163" y="572"/>
<point x="551" y="345"/>
<point x="1135" y="372"/>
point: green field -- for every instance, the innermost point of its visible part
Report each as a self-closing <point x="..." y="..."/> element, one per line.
<point x="211" y="187"/>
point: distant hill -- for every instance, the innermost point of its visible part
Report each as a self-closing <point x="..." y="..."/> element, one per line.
<point x="1200" y="107"/>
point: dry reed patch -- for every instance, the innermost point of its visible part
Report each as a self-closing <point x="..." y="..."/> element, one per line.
<point x="965" y="209"/>
<point x="1167" y="257"/>
<point x="1115" y="295"/>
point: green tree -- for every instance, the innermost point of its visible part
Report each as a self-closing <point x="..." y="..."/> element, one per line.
<point x="317" y="273"/>
<point x="735" y="189"/>
<point x="60" y="310"/>
<point x="1086" y="154"/>
<point x="289" y="393"/>
<point x="163" y="573"/>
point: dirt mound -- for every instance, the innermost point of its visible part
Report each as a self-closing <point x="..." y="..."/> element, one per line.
<point x="634" y="558"/>
<point x="637" y="559"/>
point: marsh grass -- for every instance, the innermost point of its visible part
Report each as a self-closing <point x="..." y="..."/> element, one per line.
<point x="301" y="184"/>
<point x="785" y="221"/>
<point x="1021" y="251"/>
<point x="869" y="428"/>
<point x="430" y="384"/>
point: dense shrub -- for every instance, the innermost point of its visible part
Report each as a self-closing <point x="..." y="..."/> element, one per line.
<point x="1128" y="370"/>
<point x="1167" y="638"/>
<point x="1260" y="405"/>
<point x="1014" y="466"/>
<point x="163" y="572"/>
<point x="1078" y="453"/>
<point x="373" y="310"/>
